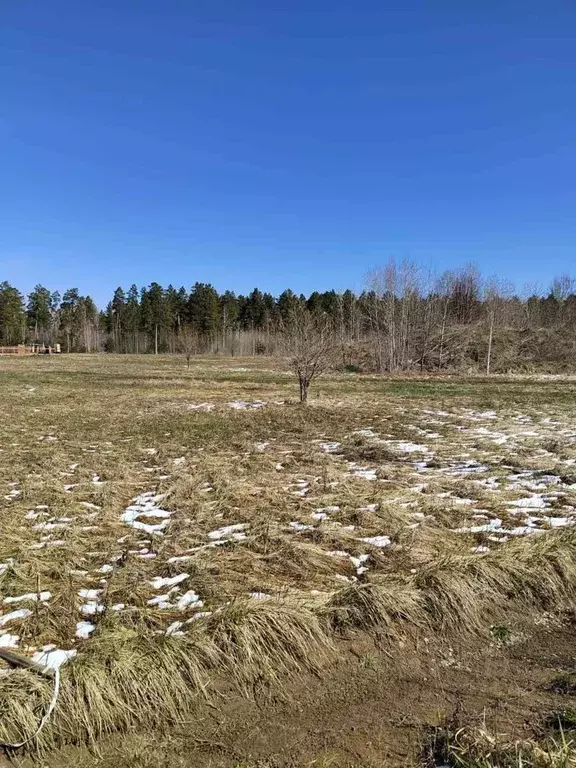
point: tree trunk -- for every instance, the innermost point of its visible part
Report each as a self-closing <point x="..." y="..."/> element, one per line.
<point x="490" y="336"/>
<point x="441" y="354"/>
<point x="303" y="390"/>
<point x="156" y="339"/>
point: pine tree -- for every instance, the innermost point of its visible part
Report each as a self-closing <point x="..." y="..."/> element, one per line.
<point x="132" y="319"/>
<point x="155" y="314"/>
<point x="69" y="316"/>
<point x="204" y="309"/>
<point x="288" y="303"/>
<point x="12" y="316"/>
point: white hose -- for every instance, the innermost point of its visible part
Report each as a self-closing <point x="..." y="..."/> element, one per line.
<point x="44" y="719"/>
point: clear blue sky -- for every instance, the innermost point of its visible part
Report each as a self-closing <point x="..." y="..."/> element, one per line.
<point x="248" y="142"/>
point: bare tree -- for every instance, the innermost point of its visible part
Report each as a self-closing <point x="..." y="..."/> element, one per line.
<point x="392" y="307"/>
<point x="187" y="342"/>
<point x="309" y="342"/>
<point x="497" y="294"/>
<point x="562" y="286"/>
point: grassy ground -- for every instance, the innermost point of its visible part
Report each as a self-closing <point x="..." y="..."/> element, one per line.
<point x="201" y="540"/>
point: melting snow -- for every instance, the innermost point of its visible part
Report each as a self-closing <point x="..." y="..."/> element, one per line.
<point x="21" y="613"/>
<point x="34" y="596"/>
<point x="329" y="447"/>
<point x="229" y="530"/>
<point x="158" y="582"/>
<point x="377" y="541"/>
<point x="53" y="658"/>
<point x="9" y="641"/>
<point x="84" y="629"/>
<point x="241" y="404"/>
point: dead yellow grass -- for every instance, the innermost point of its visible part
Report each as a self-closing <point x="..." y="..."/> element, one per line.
<point x="277" y="599"/>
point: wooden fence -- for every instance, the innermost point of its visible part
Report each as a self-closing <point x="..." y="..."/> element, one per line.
<point x="27" y="349"/>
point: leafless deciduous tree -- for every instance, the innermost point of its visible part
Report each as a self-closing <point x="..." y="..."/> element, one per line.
<point x="310" y="344"/>
<point x="497" y="296"/>
<point x="187" y="342"/>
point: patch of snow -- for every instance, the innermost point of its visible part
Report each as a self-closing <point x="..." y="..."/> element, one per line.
<point x="175" y="627"/>
<point x="227" y="530"/>
<point x="300" y="526"/>
<point x="242" y="404"/>
<point x="84" y="629"/>
<point x="410" y="447"/>
<point x="364" y="474"/>
<point x="365" y="433"/>
<point x="158" y="582"/>
<point x="533" y="502"/>
<point x="91" y="608"/>
<point x="53" y="658"/>
<point x="33" y="596"/>
<point x="9" y="641"/>
<point x="199" y="615"/>
<point x="21" y="613"/>
<point x="377" y="541"/>
<point x="329" y="447"/>
<point x="187" y="599"/>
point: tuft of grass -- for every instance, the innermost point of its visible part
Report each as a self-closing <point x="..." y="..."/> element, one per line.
<point x="476" y="747"/>
<point x="266" y="639"/>
<point x="562" y="720"/>
<point x="501" y="633"/>
<point x="368" y="606"/>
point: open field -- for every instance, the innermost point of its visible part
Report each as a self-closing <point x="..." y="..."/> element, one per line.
<point x="257" y="583"/>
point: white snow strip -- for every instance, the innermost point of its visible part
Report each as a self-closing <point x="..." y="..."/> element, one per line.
<point x="377" y="541"/>
<point x="364" y="474"/>
<point x="242" y="404"/>
<point x="158" y="582"/>
<point x="21" y="613"/>
<point x="33" y="596"/>
<point x="221" y="533"/>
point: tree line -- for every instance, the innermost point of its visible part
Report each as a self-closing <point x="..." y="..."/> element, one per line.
<point x="403" y="319"/>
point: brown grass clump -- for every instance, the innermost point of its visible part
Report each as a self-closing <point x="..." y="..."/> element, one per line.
<point x="540" y="572"/>
<point x="466" y="591"/>
<point x="265" y="639"/>
<point x="127" y="678"/>
<point x="385" y="606"/>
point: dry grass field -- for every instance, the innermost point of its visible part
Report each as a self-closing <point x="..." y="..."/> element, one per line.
<point x="224" y="577"/>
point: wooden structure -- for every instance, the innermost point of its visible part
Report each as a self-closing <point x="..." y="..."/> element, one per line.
<point x="30" y="349"/>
